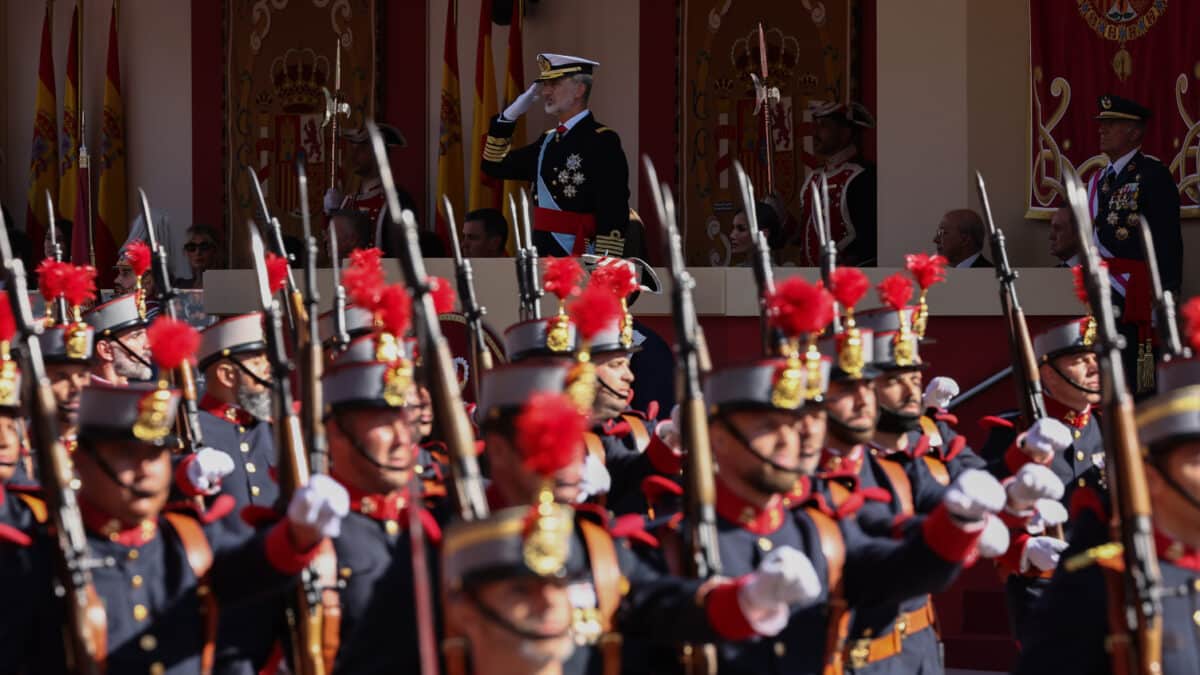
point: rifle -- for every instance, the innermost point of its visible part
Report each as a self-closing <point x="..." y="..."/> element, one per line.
<point x="295" y="305"/>
<point x="527" y="260"/>
<point x="86" y="628"/>
<point x="820" y="197"/>
<point x="1025" y="370"/>
<point x="422" y="583"/>
<point x="60" y="303"/>
<point x="340" y="337"/>
<point x="764" y="277"/>
<point x="189" y="421"/>
<point x="443" y="383"/>
<point x="309" y="345"/>
<point x="1164" y="300"/>
<point x="306" y="613"/>
<point x="701" y="556"/>
<point x="520" y="260"/>
<point x="480" y="357"/>
<point x="1141" y="653"/>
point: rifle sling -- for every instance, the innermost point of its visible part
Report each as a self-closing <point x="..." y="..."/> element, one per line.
<point x="606" y="577"/>
<point x="200" y="558"/>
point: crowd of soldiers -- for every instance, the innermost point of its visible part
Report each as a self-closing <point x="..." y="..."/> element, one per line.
<point x="324" y="502"/>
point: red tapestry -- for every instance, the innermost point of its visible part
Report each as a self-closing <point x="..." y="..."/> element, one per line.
<point x="1142" y="50"/>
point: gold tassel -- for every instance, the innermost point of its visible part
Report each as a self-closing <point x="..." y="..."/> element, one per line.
<point x="626" y="325"/>
<point x="812" y="359"/>
<point x="558" y="335"/>
<point x="921" y="317"/>
<point x="1145" y="367"/>
<point x="786" y="391"/>
<point x="581" y="380"/>
<point x="850" y="355"/>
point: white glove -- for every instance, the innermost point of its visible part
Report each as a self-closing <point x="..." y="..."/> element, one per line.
<point x="668" y="431"/>
<point x="596" y="479"/>
<point x="1042" y="553"/>
<point x="1046" y="438"/>
<point x="974" y="495"/>
<point x="332" y="200"/>
<point x="938" y="393"/>
<point x="208" y="468"/>
<point x="1046" y="513"/>
<point x="784" y="578"/>
<point x="523" y="103"/>
<point x="1032" y="482"/>
<point x="320" y="505"/>
<point x="993" y="542"/>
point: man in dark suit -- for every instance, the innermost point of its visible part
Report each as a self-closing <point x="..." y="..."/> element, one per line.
<point x="960" y="238"/>
<point x="579" y="171"/>
<point x="1132" y="185"/>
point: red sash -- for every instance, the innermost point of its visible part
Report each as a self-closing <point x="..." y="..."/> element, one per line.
<point x="582" y="225"/>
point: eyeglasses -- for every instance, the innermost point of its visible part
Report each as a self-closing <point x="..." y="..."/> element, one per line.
<point x="192" y="247"/>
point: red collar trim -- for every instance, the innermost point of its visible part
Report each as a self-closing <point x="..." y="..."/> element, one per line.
<point x="1072" y="418"/>
<point x="105" y="525"/>
<point x="382" y="507"/>
<point x="226" y="411"/>
<point x="1176" y="552"/>
<point x="835" y="464"/>
<point x="752" y="518"/>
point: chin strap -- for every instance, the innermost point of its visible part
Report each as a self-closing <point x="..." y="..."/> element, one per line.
<point x="132" y="354"/>
<point x="107" y="469"/>
<point x="1162" y="471"/>
<point x="493" y="616"/>
<point x="843" y="431"/>
<point x="1071" y="381"/>
<point x="249" y="373"/>
<point x="363" y="451"/>
<point x="896" y="422"/>
<point x="745" y="443"/>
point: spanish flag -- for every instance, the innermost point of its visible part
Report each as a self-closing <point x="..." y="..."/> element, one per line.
<point x="112" y="222"/>
<point x="514" y="86"/>
<point x="43" y="160"/>
<point x="69" y="184"/>
<point x="485" y="191"/>
<point x="450" y="146"/>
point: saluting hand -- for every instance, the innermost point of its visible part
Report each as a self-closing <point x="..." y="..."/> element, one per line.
<point x="523" y="103"/>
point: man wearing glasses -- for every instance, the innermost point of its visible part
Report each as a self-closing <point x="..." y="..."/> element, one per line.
<point x="203" y="253"/>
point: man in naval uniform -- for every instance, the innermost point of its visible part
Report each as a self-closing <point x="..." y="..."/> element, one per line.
<point x="370" y="198"/>
<point x="837" y="134"/>
<point x="1132" y="185"/>
<point x="580" y="170"/>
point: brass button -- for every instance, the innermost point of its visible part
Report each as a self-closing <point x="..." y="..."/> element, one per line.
<point x="136" y="581"/>
<point x="254" y="490"/>
<point x="345" y="572"/>
<point x="765" y="544"/>
<point x="1079" y="455"/>
<point x="157" y="668"/>
<point x="140" y="612"/>
<point x="780" y="649"/>
<point x="1082" y="482"/>
<point x="1196" y="585"/>
<point x="241" y="429"/>
<point x="148" y="643"/>
<point x="133" y="554"/>
<point x="391" y="526"/>
<point x="250" y="468"/>
<point x="1077" y="433"/>
<point x="245" y="446"/>
<point x="1196" y="617"/>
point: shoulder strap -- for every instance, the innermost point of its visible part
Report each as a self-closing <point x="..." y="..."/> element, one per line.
<point x="36" y="506"/>
<point x="606" y="576"/>
<point x="838" y="493"/>
<point x="937" y="469"/>
<point x="901" y="485"/>
<point x="594" y="445"/>
<point x="833" y="547"/>
<point x="641" y="435"/>
<point x="200" y="557"/>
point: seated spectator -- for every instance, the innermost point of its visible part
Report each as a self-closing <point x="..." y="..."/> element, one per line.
<point x="125" y="281"/>
<point x="62" y="232"/>
<point x="203" y="251"/>
<point x="1064" y="242"/>
<point x="484" y="234"/>
<point x="352" y="229"/>
<point x="739" y="235"/>
<point x="960" y="238"/>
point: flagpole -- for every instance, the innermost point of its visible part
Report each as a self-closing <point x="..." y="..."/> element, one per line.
<point x="79" y="68"/>
<point x="85" y="184"/>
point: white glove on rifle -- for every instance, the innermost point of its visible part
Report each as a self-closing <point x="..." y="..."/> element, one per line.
<point x="332" y="201"/>
<point x="523" y="103"/>
<point x="1031" y="483"/>
<point x="994" y="540"/>
<point x="321" y="505"/>
<point x="939" y="392"/>
<point x="784" y="578"/>
<point x="1046" y="438"/>
<point x="1042" y="553"/>
<point x="208" y="468"/>
<point x="596" y="479"/>
<point x="974" y="495"/>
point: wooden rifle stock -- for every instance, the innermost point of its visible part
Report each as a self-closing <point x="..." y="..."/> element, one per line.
<point x="86" y="626"/>
<point x="1125" y="470"/>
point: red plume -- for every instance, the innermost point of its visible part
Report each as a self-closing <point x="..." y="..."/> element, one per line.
<point x="798" y="307"/>
<point x="849" y="285"/>
<point x="550" y="432"/>
<point x="895" y="291"/>
<point x="277" y="268"/>
<point x="619" y="277"/>
<point x="394" y="309"/>
<point x="926" y="269"/>
<point x="8" y="324"/>
<point x="137" y="254"/>
<point x="52" y="278"/>
<point x="80" y="284"/>
<point x="595" y="309"/>
<point x="443" y="295"/>
<point x="172" y="342"/>
<point x="562" y="277"/>
<point x="363" y="278"/>
<point x="1080" y="287"/>
<point x="1191" y="322"/>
